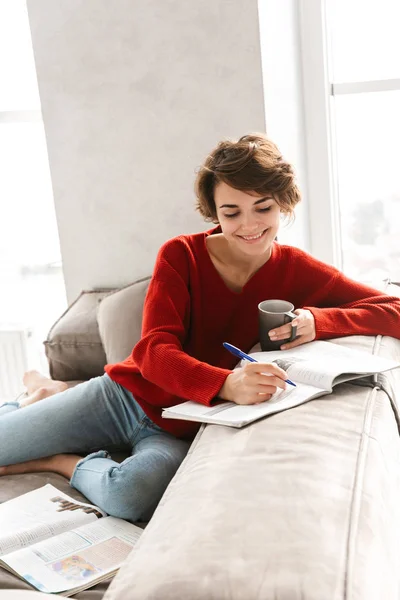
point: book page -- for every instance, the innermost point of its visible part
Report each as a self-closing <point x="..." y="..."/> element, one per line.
<point x="318" y="363"/>
<point x="237" y="415"/>
<point x="76" y="559"/>
<point x="41" y="514"/>
<point x="195" y="409"/>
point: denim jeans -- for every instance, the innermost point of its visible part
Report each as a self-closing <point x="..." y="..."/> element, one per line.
<point x="95" y="418"/>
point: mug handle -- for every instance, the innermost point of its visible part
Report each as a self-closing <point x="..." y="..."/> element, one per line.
<point x="292" y="316"/>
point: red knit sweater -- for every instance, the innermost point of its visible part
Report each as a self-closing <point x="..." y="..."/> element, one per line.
<point x="189" y="312"/>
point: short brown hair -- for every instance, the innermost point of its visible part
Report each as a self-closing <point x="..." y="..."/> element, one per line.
<point x="251" y="164"/>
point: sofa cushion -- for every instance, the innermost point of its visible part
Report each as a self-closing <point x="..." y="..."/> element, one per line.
<point x="119" y="318"/>
<point x="73" y="347"/>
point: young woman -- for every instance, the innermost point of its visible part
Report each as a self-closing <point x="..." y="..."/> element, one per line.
<point x="204" y="291"/>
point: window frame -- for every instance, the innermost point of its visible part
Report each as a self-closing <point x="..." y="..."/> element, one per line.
<point x="319" y="93"/>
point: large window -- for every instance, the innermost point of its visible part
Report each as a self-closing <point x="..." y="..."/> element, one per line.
<point x="32" y="286"/>
<point x="352" y="92"/>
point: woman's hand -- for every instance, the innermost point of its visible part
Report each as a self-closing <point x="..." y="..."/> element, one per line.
<point x="305" y="324"/>
<point x="253" y="383"/>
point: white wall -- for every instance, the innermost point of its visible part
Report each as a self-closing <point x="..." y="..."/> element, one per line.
<point x="134" y="94"/>
<point x="283" y="91"/>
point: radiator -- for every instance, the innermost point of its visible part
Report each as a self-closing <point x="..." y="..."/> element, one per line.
<point x="13" y="362"/>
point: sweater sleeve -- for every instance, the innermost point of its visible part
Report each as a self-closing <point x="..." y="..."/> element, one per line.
<point x="350" y="308"/>
<point x="159" y="355"/>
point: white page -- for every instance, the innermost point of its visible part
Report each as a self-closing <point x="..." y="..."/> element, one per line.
<point x="76" y="558"/>
<point x="318" y="363"/>
<point x="281" y="400"/>
<point x="194" y="409"/>
<point x="236" y="415"/>
<point x="40" y="514"/>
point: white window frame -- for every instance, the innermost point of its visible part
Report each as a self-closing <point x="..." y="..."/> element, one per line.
<point x="318" y="94"/>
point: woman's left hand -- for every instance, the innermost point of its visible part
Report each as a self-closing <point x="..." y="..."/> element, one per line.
<point x="305" y="324"/>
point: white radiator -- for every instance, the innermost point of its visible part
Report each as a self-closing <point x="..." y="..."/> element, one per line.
<point x="13" y="362"/>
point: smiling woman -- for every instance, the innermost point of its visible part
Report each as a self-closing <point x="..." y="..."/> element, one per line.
<point x="205" y="290"/>
<point x="248" y="227"/>
<point x="246" y="187"/>
<point x="249" y="224"/>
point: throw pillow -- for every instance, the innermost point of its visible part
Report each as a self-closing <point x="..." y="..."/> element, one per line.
<point x="73" y="346"/>
<point x="119" y="316"/>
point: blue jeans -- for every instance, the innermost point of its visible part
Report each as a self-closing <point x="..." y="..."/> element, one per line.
<point x="95" y="418"/>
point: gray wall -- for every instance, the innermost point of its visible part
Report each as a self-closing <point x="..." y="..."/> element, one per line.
<point x="134" y="93"/>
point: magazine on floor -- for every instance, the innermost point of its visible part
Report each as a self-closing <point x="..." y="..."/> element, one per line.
<point x="59" y="545"/>
<point x="315" y="368"/>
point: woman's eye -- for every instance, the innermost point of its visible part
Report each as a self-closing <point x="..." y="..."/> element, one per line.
<point x="231" y="216"/>
<point x="265" y="209"/>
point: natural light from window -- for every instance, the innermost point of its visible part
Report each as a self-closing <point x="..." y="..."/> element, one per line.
<point x="365" y="47"/>
<point x="33" y="292"/>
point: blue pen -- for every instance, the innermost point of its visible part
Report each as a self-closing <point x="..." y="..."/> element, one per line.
<point x="236" y="352"/>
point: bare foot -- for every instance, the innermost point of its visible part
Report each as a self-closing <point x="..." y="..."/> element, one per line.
<point x="39" y="386"/>
<point x="63" y="464"/>
<point x="33" y="380"/>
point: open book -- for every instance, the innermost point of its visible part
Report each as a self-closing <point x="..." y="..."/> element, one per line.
<point x="59" y="545"/>
<point x="315" y="368"/>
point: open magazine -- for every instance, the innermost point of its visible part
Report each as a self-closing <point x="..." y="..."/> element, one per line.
<point x="315" y="368"/>
<point x="59" y="545"/>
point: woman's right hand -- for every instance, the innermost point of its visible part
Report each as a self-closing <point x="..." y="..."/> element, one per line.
<point x="253" y="383"/>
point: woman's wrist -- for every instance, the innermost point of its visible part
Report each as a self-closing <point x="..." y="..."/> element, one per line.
<point x="225" y="391"/>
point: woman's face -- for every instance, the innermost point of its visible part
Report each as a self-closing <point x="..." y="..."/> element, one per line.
<point x="248" y="221"/>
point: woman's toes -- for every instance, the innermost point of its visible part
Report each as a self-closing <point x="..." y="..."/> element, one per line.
<point x="33" y="378"/>
<point x="59" y="386"/>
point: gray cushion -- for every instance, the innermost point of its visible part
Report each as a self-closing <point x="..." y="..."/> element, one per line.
<point x="73" y="347"/>
<point x="119" y="318"/>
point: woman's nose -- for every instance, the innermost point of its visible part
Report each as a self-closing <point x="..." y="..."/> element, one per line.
<point x="250" y="222"/>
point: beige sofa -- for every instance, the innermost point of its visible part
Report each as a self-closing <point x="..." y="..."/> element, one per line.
<point x="301" y="505"/>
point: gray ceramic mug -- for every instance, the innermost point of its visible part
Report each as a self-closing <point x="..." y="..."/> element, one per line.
<point x="274" y="313"/>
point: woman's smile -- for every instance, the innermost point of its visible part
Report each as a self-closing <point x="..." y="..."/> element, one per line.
<point x="253" y="238"/>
